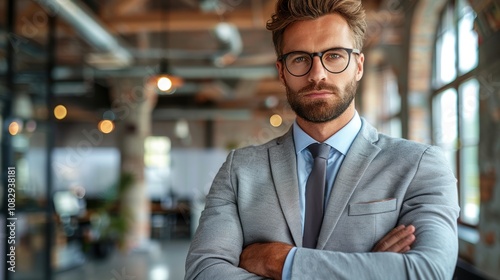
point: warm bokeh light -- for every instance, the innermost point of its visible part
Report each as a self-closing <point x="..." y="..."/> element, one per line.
<point x="164" y="84"/>
<point x="275" y="120"/>
<point x="60" y="112"/>
<point x="14" y="128"/>
<point x="106" y="126"/>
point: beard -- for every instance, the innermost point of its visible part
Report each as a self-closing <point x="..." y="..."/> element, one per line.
<point x="320" y="111"/>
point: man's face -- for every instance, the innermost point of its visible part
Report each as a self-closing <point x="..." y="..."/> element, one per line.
<point x="320" y="96"/>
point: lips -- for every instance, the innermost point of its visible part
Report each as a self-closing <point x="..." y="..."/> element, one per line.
<point x="321" y="89"/>
<point x="318" y="94"/>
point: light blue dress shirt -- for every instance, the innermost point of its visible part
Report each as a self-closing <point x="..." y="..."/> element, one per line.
<point x="340" y="142"/>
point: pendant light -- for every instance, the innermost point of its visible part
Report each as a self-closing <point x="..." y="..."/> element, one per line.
<point x="165" y="80"/>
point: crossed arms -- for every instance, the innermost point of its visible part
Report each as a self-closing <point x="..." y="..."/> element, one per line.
<point x="266" y="259"/>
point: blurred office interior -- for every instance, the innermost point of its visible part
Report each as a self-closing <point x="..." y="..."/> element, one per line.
<point x="110" y="172"/>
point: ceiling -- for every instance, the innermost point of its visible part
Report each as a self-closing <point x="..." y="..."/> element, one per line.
<point x="101" y="43"/>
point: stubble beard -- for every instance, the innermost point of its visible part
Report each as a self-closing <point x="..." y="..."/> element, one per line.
<point x="320" y="111"/>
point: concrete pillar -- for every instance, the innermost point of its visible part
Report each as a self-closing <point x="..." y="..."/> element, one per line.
<point x="132" y="104"/>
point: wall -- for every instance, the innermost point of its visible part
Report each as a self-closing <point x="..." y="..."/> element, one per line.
<point x="486" y="253"/>
<point x="478" y="246"/>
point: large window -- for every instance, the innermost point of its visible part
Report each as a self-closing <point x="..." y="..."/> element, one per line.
<point x="455" y="102"/>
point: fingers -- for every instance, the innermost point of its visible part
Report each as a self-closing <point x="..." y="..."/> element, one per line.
<point x="385" y="242"/>
<point x="397" y="240"/>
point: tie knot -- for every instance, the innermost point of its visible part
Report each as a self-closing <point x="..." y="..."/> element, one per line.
<point x="319" y="150"/>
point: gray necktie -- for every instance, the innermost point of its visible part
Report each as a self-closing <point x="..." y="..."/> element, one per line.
<point x="315" y="194"/>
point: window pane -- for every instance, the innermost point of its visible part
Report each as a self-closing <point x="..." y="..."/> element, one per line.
<point x="469" y="167"/>
<point x="447" y="58"/>
<point x="468" y="50"/>
<point x="445" y="50"/>
<point x="469" y="94"/>
<point x="445" y="118"/>
<point x="157" y="166"/>
<point x="469" y="185"/>
<point x="445" y="123"/>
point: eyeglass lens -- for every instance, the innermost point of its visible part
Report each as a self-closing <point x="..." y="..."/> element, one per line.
<point x="299" y="63"/>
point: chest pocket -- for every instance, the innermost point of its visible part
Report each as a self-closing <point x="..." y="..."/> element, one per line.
<point x="375" y="207"/>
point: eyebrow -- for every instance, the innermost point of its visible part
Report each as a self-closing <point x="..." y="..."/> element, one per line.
<point x="331" y="48"/>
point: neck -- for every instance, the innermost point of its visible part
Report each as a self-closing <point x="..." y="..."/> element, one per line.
<point x="322" y="131"/>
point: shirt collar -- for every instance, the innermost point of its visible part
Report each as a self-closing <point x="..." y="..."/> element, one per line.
<point x="341" y="140"/>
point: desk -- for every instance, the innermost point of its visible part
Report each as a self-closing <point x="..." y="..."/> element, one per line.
<point x="170" y="222"/>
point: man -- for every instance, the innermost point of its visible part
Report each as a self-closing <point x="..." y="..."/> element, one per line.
<point x="390" y="205"/>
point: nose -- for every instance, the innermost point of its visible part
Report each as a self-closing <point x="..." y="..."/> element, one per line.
<point x="317" y="72"/>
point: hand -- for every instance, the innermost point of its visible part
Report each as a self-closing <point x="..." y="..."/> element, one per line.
<point x="265" y="259"/>
<point x="397" y="240"/>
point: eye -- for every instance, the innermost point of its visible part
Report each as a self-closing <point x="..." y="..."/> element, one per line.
<point x="334" y="55"/>
<point x="298" y="58"/>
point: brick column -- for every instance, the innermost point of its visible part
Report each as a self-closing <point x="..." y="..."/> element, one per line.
<point x="133" y="103"/>
<point x="423" y="30"/>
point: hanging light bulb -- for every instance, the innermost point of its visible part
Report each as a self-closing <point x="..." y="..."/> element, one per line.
<point x="165" y="80"/>
<point x="164" y="84"/>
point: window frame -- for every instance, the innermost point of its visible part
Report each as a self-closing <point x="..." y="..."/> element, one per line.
<point x="439" y="87"/>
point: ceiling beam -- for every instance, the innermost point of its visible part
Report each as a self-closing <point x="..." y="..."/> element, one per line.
<point x="123" y="7"/>
<point x="182" y="21"/>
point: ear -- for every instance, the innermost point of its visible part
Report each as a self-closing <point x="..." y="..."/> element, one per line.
<point x="281" y="71"/>
<point x="360" y="63"/>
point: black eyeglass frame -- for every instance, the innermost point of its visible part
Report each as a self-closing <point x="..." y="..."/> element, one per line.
<point x="349" y="51"/>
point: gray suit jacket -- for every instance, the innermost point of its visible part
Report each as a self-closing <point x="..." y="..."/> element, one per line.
<point x="383" y="182"/>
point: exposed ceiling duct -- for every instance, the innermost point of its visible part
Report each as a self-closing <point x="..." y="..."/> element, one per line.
<point x="229" y="39"/>
<point x="112" y="54"/>
<point x="227" y="34"/>
<point x="233" y="72"/>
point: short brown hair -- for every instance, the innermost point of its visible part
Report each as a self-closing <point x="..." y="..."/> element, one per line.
<point x="290" y="11"/>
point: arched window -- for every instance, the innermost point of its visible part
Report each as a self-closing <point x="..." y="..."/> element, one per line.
<point x="455" y="101"/>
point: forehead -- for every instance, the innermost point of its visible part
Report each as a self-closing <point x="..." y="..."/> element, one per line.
<point x="314" y="35"/>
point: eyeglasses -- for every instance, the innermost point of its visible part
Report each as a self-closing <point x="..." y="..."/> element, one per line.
<point x="336" y="60"/>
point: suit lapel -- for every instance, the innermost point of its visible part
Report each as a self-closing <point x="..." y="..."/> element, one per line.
<point x="357" y="160"/>
<point x="284" y="171"/>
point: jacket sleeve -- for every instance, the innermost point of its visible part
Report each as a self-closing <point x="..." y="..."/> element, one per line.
<point x="216" y="247"/>
<point x="431" y="205"/>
